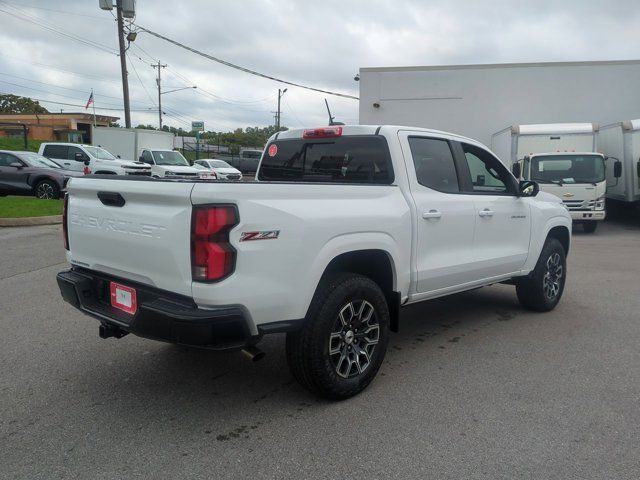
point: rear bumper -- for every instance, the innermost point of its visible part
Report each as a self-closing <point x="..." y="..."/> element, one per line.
<point x="160" y="315"/>
<point x="587" y="214"/>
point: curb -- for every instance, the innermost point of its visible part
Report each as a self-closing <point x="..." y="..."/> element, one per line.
<point x="30" y="221"/>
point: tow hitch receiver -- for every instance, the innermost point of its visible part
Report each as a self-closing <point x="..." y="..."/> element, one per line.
<point x="107" y="331"/>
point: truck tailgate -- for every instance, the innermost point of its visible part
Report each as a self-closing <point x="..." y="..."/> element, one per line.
<point x="146" y="240"/>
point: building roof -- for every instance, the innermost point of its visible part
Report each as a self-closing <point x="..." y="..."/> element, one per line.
<point x="71" y="115"/>
<point x="499" y="65"/>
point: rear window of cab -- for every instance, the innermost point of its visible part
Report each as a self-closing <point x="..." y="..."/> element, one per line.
<point x="348" y="159"/>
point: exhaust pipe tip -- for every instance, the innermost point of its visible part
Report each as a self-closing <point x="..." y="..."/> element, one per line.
<point x="253" y="353"/>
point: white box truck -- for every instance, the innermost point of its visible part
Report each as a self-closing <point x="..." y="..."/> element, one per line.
<point x="128" y="143"/>
<point x="562" y="158"/>
<point x="622" y="141"/>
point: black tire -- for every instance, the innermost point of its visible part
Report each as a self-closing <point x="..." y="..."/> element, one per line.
<point x="47" y="190"/>
<point x="589" y="227"/>
<point x="308" y="350"/>
<point x="542" y="289"/>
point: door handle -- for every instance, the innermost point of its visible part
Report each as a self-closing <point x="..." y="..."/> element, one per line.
<point x="432" y="214"/>
<point x="486" y="213"/>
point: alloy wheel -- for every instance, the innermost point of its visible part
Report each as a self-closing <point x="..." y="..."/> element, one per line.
<point x="45" y="191"/>
<point x="553" y="276"/>
<point x="354" y="337"/>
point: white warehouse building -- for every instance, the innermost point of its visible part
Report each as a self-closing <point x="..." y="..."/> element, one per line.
<point x="479" y="100"/>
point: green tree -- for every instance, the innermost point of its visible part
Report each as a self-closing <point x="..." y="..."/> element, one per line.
<point x="16" y="104"/>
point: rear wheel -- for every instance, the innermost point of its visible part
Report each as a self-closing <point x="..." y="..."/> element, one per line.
<point x="542" y="289"/>
<point x="47" y="190"/>
<point x="589" y="227"/>
<point x="343" y="342"/>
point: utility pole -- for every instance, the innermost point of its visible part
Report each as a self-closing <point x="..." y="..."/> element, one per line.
<point x="280" y="95"/>
<point x="123" y="65"/>
<point x="159" y="66"/>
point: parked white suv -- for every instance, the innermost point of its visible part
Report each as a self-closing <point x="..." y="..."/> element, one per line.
<point x="73" y="156"/>
<point x="343" y="227"/>
<point x="169" y="164"/>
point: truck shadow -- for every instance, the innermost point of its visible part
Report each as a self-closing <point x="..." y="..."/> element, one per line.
<point x="230" y="398"/>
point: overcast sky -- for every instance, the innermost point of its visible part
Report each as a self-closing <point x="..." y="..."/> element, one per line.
<point x="321" y="44"/>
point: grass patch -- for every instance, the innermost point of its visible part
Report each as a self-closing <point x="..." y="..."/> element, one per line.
<point x="7" y="143"/>
<point x="18" y="207"/>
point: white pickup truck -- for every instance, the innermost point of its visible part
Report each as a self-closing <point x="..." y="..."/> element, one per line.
<point x="342" y="228"/>
<point x="74" y="157"/>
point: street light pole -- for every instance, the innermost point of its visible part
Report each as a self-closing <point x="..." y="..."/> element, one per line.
<point x="159" y="66"/>
<point x="280" y="95"/>
<point x="123" y="65"/>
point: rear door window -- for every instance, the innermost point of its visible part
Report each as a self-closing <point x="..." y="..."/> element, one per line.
<point x="433" y="161"/>
<point x="56" y="151"/>
<point x="348" y="159"/>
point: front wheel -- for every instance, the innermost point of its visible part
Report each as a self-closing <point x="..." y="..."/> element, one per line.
<point x="542" y="289"/>
<point x="342" y="344"/>
<point x="589" y="227"/>
<point x="47" y="190"/>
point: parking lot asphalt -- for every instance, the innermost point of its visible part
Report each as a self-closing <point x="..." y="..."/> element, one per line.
<point x="472" y="387"/>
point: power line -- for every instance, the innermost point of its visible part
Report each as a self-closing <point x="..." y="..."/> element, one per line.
<point x="73" y="104"/>
<point x="28" y="18"/>
<point x="49" y="92"/>
<point x="142" y="84"/>
<point x="57" y="11"/>
<point x="61" y="69"/>
<point x="55" y="86"/>
<point x="243" y="69"/>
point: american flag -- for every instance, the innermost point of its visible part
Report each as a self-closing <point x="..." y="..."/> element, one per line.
<point x="90" y="101"/>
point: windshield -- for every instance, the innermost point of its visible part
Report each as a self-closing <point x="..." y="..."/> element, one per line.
<point x="35" y="160"/>
<point x="101" y="153"/>
<point x="567" y="168"/>
<point x="167" y="157"/>
<point x="251" y="153"/>
<point x="219" y="164"/>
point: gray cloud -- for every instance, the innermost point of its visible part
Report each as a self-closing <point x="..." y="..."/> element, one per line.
<point x="320" y="44"/>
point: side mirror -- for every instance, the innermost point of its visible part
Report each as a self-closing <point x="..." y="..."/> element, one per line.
<point x="480" y="180"/>
<point x="528" y="188"/>
<point x="516" y="170"/>
<point x="617" y="169"/>
<point x="118" y="156"/>
<point x="80" y="157"/>
<point x="17" y="165"/>
<point x="87" y="162"/>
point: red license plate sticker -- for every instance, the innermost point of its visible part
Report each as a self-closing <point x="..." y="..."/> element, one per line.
<point x="124" y="298"/>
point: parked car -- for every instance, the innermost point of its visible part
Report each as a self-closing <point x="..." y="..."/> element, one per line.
<point x="246" y="161"/>
<point x="343" y="227"/>
<point x="169" y="164"/>
<point x="221" y="169"/>
<point x="74" y="157"/>
<point x="28" y="173"/>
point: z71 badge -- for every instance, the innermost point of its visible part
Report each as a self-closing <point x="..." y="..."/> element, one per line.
<point x="264" y="235"/>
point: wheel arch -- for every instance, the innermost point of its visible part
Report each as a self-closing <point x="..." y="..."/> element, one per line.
<point x="36" y="179"/>
<point x="376" y="264"/>
<point x="561" y="233"/>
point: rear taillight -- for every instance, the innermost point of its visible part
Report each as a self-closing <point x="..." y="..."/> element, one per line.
<point x="65" y="228"/>
<point x="212" y="256"/>
<point x="324" y="132"/>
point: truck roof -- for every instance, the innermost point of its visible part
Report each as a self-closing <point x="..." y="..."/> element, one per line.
<point x="552" y="128"/>
<point x="374" y="130"/>
<point x="557" y="154"/>
<point x="69" y="144"/>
